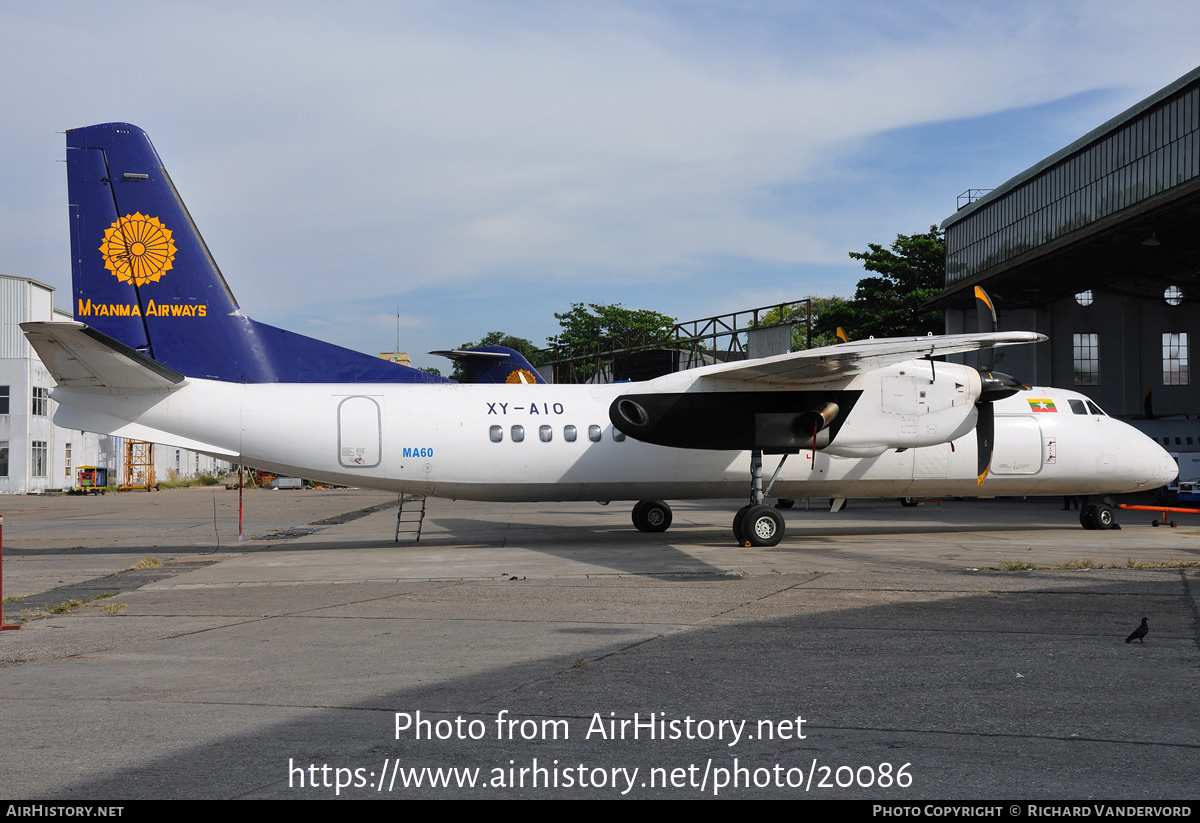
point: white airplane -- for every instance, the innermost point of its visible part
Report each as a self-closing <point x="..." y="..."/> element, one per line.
<point x="160" y="351"/>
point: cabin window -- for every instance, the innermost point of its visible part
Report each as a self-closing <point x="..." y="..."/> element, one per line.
<point x="545" y="433"/>
<point x="1077" y="407"/>
<point x="1177" y="442"/>
<point x="518" y="434"/>
<point x="496" y="433"/>
<point x="594" y="434"/>
<point x="1175" y="359"/>
<point x="618" y="435"/>
<point x="1086" y="356"/>
<point x="569" y="433"/>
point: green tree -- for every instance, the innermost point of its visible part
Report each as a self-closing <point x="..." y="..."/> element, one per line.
<point x="495" y="338"/>
<point x="586" y="323"/>
<point x="911" y="272"/>
<point x="589" y="331"/>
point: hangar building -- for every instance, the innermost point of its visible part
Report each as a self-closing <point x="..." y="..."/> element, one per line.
<point x="1096" y="247"/>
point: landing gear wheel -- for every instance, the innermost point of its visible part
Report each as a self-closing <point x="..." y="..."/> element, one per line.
<point x="908" y="502"/>
<point x="737" y="523"/>
<point x="1087" y="518"/>
<point x="762" y="526"/>
<point x="652" y="516"/>
<point x="1105" y="517"/>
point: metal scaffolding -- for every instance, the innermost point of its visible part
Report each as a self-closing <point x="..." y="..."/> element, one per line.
<point x="692" y="343"/>
<point x="137" y="469"/>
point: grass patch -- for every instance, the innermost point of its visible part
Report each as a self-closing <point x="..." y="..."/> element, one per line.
<point x="13" y="598"/>
<point x="183" y="483"/>
<point x="146" y="563"/>
<point x="113" y="608"/>
<point x="67" y="607"/>
<point x="1164" y="564"/>
<point x="1082" y="564"/>
<point x="579" y="663"/>
<point x="1014" y="566"/>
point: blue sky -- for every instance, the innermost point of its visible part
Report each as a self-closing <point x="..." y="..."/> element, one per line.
<point x="480" y="166"/>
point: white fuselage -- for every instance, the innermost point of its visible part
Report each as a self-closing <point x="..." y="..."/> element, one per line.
<point x="457" y="441"/>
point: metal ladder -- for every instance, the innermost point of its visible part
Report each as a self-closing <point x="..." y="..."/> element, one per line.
<point x="415" y="518"/>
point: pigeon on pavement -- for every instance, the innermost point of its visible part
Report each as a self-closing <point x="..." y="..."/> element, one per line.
<point x="1139" y="633"/>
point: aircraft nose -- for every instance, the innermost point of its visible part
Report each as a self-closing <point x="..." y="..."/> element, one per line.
<point x="1155" y="463"/>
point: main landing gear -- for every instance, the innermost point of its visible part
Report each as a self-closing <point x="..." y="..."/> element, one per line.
<point x="758" y="524"/>
<point x="652" y="516"/>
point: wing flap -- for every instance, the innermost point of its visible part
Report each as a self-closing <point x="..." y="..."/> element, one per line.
<point x="79" y="357"/>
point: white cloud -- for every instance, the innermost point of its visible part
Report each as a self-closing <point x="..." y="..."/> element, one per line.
<point x="382" y="148"/>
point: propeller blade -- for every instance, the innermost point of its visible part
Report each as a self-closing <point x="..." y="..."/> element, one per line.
<point x="985" y="432"/>
<point x="987" y="325"/>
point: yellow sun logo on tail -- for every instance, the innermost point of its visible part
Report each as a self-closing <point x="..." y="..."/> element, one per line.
<point x="138" y="249"/>
<point x="520" y="376"/>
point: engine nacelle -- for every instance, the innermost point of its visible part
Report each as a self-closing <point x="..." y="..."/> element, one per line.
<point x="921" y="403"/>
<point x="770" y="420"/>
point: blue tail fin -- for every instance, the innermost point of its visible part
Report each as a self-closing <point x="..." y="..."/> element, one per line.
<point x="143" y="275"/>
<point x="495" y="364"/>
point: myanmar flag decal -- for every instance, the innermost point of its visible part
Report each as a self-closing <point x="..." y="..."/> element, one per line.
<point x="1043" y="404"/>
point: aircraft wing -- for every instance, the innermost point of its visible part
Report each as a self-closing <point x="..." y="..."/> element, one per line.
<point x="78" y="356"/>
<point x="845" y="359"/>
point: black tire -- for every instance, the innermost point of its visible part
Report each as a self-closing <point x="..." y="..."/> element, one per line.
<point x="737" y="523"/>
<point x="1087" y="517"/>
<point x="907" y="502"/>
<point x="762" y="526"/>
<point x="1105" y="517"/>
<point x="652" y="516"/>
<point x="636" y="515"/>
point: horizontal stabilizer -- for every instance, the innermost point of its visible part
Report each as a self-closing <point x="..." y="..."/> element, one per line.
<point x="857" y="356"/>
<point x="80" y="357"/>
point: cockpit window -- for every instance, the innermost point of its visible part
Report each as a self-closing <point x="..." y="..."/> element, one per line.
<point x="1095" y="409"/>
<point x="1078" y="407"/>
